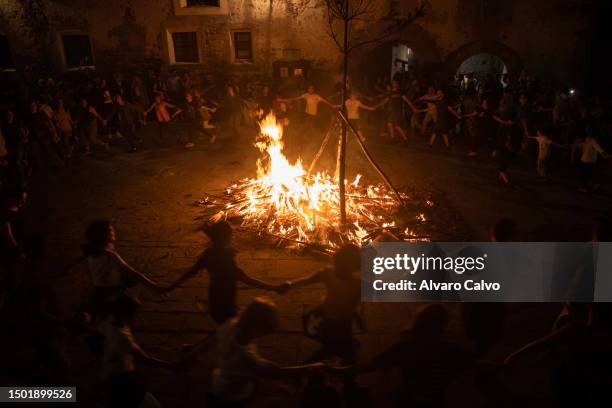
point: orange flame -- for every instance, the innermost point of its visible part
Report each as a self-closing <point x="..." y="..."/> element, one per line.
<point x="284" y="200"/>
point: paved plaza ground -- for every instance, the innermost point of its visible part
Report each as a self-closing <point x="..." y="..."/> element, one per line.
<point x="150" y="197"/>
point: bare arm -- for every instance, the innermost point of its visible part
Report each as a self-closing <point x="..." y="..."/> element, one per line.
<point x="271" y="369"/>
<point x="409" y="102"/>
<point x="289" y="100"/>
<point x="96" y="114"/>
<point x="454" y="112"/>
<point x="7" y="234"/>
<point x="501" y="121"/>
<point x="256" y="283"/>
<point x="136" y="275"/>
<point x="188" y="274"/>
<point x="328" y="103"/>
<point x="308" y="280"/>
<point x="550" y="340"/>
<point x="370" y="108"/>
<point x="143" y="357"/>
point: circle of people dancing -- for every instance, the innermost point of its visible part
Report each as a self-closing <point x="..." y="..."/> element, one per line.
<point x="43" y="137"/>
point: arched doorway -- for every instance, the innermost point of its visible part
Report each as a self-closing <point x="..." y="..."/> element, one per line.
<point x="482" y="64"/>
<point x="489" y="55"/>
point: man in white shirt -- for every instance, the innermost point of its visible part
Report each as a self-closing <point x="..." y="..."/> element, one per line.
<point x="312" y="100"/>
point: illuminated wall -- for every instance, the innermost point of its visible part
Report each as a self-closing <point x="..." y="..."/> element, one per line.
<point x="548" y="37"/>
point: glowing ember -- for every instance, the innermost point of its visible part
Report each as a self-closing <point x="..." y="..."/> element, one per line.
<point x="286" y="202"/>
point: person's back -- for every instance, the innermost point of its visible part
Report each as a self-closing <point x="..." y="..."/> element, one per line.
<point x="234" y="375"/>
<point x="343" y="295"/>
<point x="427" y="361"/>
<point x="224" y="275"/>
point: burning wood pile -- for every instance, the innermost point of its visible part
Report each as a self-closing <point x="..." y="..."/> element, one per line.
<point x="287" y="203"/>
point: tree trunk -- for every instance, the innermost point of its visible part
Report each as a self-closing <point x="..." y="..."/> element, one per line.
<point x="342" y="151"/>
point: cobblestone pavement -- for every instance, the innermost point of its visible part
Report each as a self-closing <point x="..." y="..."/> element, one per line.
<point x="150" y="197"/>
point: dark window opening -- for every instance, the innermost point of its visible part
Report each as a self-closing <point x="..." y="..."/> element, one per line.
<point x="6" y="60"/>
<point x="203" y="3"/>
<point x="77" y="50"/>
<point x="243" y="48"/>
<point x="185" y="47"/>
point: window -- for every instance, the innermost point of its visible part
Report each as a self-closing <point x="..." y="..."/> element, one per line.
<point x="6" y="60"/>
<point x="200" y="7"/>
<point x="243" y="47"/>
<point x="184" y="48"/>
<point x="77" y="50"/>
<point x="202" y="3"/>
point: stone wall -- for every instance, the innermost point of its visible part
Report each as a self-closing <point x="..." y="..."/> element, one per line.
<point x="548" y="37"/>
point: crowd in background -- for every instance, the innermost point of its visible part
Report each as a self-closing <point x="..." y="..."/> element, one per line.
<point x="49" y="123"/>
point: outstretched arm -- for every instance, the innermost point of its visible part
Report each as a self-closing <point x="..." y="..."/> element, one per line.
<point x="454" y="112"/>
<point x="137" y="276"/>
<point x="256" y="283"/>
<point x="188" y="274"/>
<point x="270" y="369"/>
<point x="371" y="108"/>
<point x="501" y="121"/>
<point x="144" y="357"/>
<point x="547" y="341"/>
<point x="308" y="280"/>
<point x="289" y="100"/>
<point x="328" y="103"/>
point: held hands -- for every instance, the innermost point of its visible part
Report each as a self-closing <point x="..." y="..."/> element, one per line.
<point x="283" y="288"/>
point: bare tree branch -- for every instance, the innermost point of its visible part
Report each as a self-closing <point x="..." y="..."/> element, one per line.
<point x="359" y="10"/>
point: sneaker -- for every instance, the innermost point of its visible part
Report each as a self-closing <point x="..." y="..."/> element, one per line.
<point x="190" y="144"/>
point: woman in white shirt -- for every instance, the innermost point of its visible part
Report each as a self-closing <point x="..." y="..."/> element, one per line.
<point x="110" y="275"/>
<point x="353" y="105"/>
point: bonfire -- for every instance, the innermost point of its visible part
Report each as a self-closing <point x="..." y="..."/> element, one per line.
<point x="286" y="202"/>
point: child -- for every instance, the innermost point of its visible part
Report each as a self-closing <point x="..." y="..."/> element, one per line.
<point x="122" y="385"/>
<point x="544" y="150"/>
<point x="439" y="108"/>
<point x="511" y="139"/>
<point x="395" y="110"/>
<point x="239" y="363"/>
<point x="332" y="322"/>
<point x="161" y="113"/>
<point x="590" y="151"/>
<point x="192" y="116"/>
<point x="219" y="259"/>
<point x="353" y="104"/>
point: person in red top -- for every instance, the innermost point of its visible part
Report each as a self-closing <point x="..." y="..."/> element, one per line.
<point x="162" y="116"/>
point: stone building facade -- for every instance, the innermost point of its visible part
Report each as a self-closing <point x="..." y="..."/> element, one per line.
<point x="548" y="38"/>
